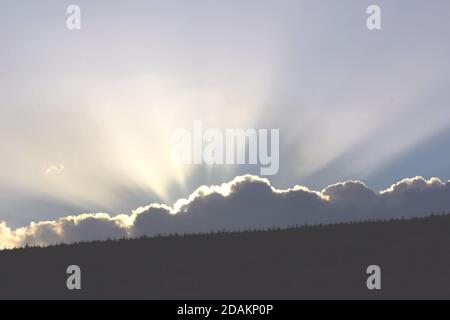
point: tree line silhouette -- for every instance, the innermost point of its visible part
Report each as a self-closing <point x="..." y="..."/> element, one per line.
<point x="298" y="262"/>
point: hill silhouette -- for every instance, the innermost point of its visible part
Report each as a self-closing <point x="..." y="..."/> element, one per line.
<point x="310" y="262"/>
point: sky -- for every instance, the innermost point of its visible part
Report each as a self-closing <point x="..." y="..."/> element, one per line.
<point x="86" y="116"/>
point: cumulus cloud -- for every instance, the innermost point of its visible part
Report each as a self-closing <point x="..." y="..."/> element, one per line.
<point x="55" y="170"/>
<point x="246" y="202"/>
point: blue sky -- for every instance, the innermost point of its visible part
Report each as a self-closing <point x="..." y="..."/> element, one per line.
<point x="351" y="104"/>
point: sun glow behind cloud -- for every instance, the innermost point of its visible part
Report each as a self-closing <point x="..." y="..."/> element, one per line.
<point x="120" y="138"/>
<point x="104" y="102"/>
<point x="220" y="207"/>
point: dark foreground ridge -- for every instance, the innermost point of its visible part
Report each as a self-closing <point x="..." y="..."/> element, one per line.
<point x="326" y="262"/>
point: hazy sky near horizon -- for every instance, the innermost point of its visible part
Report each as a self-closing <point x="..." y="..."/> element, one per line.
<point x="86" y="116"/>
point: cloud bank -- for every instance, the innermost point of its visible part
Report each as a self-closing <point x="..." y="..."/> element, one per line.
<point x="246" y="202"/>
